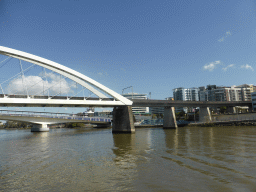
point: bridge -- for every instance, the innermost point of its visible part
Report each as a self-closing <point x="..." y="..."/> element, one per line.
<point x="41" y="120"/>
<point x="122" y="112"/>
<point x="204" y="114"/>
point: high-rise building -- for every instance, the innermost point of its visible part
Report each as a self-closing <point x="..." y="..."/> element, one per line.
<point x="233" y="93"/>
<point x="189" y="94"/>
<point x="183" y="94"/>
<point x="208" y="93"/>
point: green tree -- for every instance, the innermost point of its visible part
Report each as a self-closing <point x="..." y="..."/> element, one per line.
<point x="223" y="109"/>
<point x="74" y="125"/>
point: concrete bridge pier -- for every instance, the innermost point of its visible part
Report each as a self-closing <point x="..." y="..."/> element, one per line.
<point x="205" y="114"/>
<point x="39" y="128"/>
<point x="231" y="109"/>
<point x="169" y="118"/>
<point x="123" y="120"/>
<point x="250" y="108"/>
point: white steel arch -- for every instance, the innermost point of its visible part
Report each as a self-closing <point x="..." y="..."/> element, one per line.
<point x="65" y="71"/>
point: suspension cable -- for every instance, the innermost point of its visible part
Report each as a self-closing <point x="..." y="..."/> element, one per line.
<point x="46" y="81"/>
<point x="53" y="86"/>
<point x="18" y="74"/>
<point x="36" y="84"/>
<point x="10" y="58"/>
<point x="23" y="78"/>
<point x="78" y="93"/>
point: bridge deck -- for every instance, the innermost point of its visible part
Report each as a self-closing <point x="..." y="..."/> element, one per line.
<point x="62" y="101"/>
<point x="166" y="103"/>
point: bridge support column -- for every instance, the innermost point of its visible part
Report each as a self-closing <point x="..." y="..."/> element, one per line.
<point x="169" y="118"/>
<point x="205" y="114"/>
<point x="39" y="128"/>
<point x="123" y="120"/>
<point x="231" y="109"/>
<point x="250" y="109"/>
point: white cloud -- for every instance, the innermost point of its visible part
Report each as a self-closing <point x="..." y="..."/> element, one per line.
<point x="247" y="67"/>
<point x="221" y="39"/>
<point x="228" y="33"/>
<point x="229" y="66"/>
<point x="102" y="73"/>
<point x="211" y="65"/>
<point x="36" y="85"/>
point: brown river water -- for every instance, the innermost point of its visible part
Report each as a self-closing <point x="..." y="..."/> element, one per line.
<point x="185" y="159"/>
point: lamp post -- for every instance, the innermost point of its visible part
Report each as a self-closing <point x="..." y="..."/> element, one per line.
<point x="128" y="88"/>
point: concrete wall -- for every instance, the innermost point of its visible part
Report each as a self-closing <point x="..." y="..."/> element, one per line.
<point x="235" y="117"/>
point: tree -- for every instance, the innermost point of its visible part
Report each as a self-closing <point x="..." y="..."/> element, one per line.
<point x="73" y="125"/>
<point x="179" y="115"/>
<point x="223" y="109"/>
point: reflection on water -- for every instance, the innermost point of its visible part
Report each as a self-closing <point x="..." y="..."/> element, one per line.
<point x="124" y="150"/>
<point x="183" y="159"/>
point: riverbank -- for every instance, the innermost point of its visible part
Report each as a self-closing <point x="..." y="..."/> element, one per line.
<point x="222" y="123"/>
<point x="148" y="126"/>
<point x="14" y="128"/>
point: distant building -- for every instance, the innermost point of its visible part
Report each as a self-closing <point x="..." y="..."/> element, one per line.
<point x="169" y="98"/>
<point x="158" y="110"/>
<point x="253" y="94"/>
<point x="233" y="93"/>
<point x="104" y="113"/>
<point x="89" y="112"/>
<point x="137" y="110"/>
<point x="189" y="94"/>
<point x="208" y="93"/>
<point x="185" y="94"/>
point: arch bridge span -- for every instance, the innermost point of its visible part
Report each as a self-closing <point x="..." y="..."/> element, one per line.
<point x="86" y="82"/>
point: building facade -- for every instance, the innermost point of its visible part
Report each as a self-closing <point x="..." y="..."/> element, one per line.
<point x="253" y="94"/>
<point x="233" y="93"/>
<point x="185" y="94"/>
<point x="137" y="110"/>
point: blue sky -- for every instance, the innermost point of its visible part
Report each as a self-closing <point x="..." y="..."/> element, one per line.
<point x="152" y="45"/>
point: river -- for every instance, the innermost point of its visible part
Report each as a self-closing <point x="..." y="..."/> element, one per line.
<point x="185" y="159"/>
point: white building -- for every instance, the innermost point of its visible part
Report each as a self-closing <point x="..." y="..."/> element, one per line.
<point x="137" y="110"/>
<point x="182" y="94"/>
<point x="233" y="93"/>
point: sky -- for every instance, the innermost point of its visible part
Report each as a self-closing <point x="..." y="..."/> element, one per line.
<point x="152" y="45"/>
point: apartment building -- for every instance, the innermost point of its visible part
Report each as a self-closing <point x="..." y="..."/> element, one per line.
<point x="185" y="94"/>
<point x="221" y="93"/>
<point x="253" y="94"/>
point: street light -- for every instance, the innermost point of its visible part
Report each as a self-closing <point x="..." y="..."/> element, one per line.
<point x="128" y="88"/>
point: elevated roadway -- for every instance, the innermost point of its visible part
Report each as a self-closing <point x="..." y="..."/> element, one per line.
<point x="62" y="101"/>
<point x="170" y="103"/>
